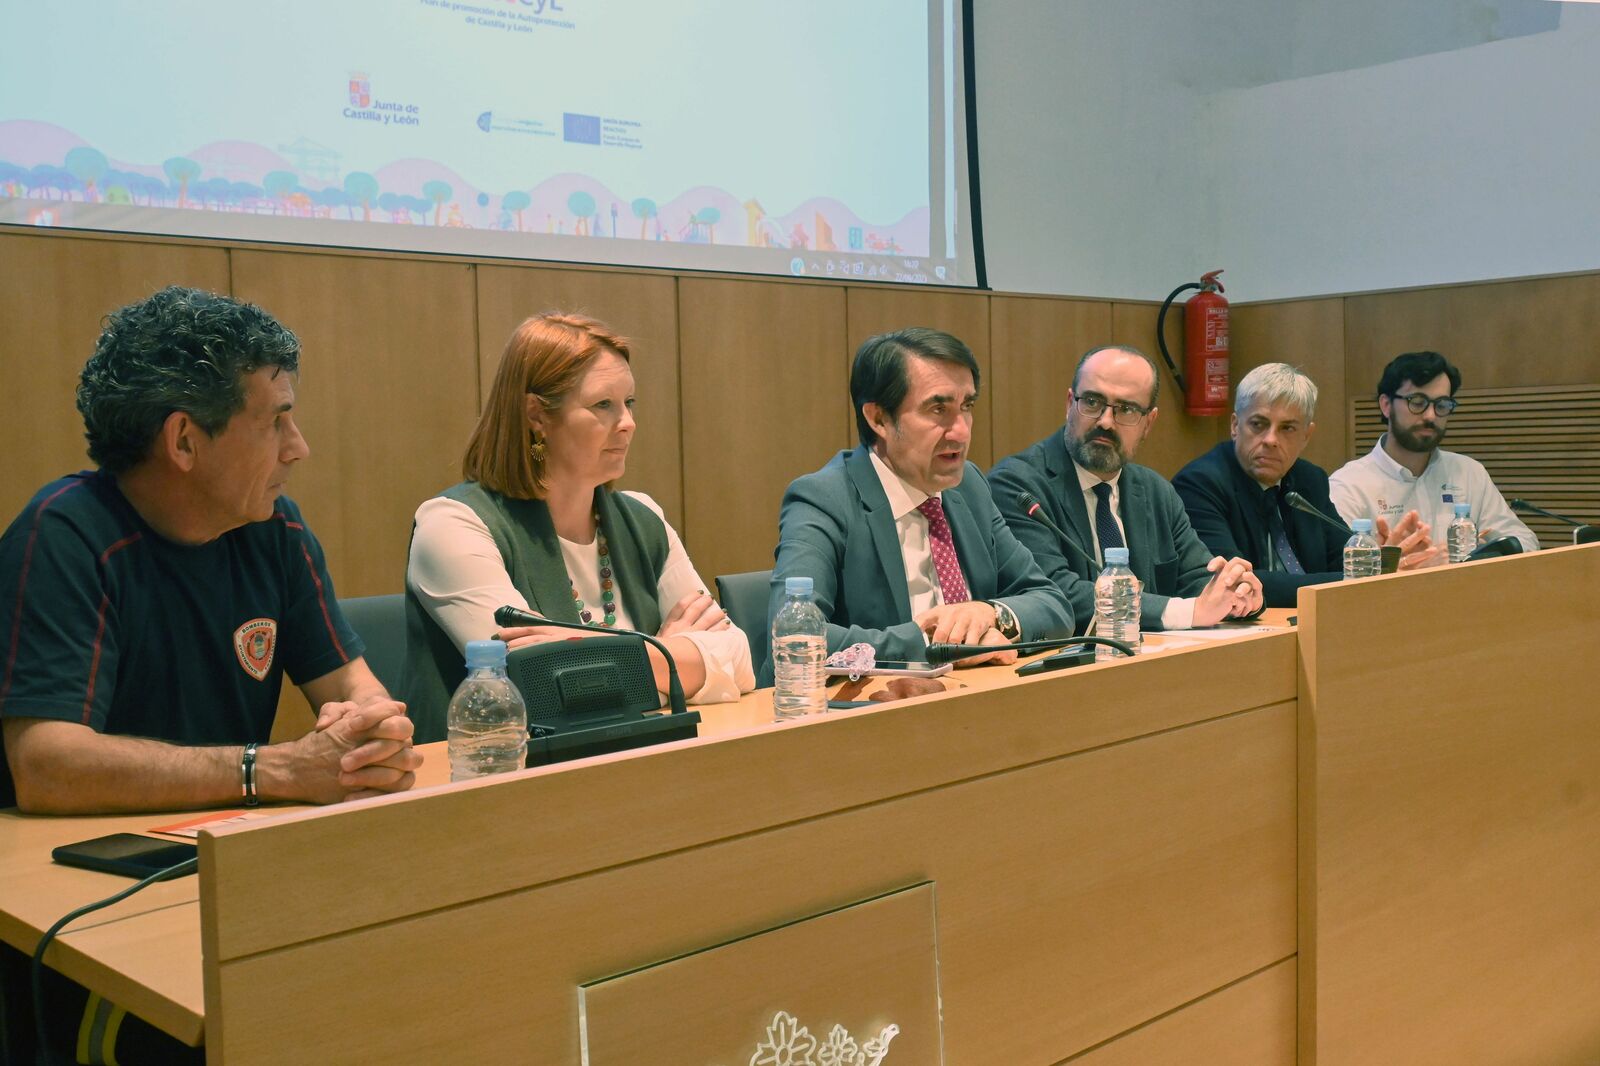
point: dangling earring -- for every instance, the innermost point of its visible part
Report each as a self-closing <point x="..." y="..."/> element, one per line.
<point x="537" y="450"/>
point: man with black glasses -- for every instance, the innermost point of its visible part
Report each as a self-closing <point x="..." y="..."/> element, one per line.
<point x="1085" y="482"/>
<point x="1407" y="470"/>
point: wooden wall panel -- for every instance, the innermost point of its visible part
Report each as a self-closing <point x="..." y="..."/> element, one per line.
<point x="870" y="311"/>
<point x="1503" y="333"/>
<point x="765" y="399"/>
<point x="54" y="291"/>
<point x="1251" y="1022"/>
<point x="1036" y="344"/>
<point x="388" y="393"/>
<point x="54" y="288"/>
<point x="641" y="307"/>
<point x="1176" y="437"/>
<point x="1308" y="334"/>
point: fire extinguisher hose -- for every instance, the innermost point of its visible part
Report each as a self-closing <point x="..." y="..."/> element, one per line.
<point x="1161" y="334"/>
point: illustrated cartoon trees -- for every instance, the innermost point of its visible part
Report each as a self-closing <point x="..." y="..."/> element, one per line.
<point x="516" y="201"/>
<point x="279" y="185"/>
<point x="708" y="217"/>
<point x="333" y="199"/>
<point x="89" y="166"/>
<point x="46" y="177"/>
<point x="181" y="172"/>
<point x="362" y="188"/>
<point x="13" y="179"/>
<point x="438" y="192"/>
<point x="146" y="186"/>
<point x="644" y="209"/>
<point x="581" y="204"/>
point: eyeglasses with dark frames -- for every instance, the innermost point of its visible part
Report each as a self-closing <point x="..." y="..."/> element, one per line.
<point x="1417" y="403"/>
<point x="1122" y="412"/>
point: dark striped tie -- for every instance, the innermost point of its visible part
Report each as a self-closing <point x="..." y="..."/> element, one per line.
<point x="1280" y="535"/>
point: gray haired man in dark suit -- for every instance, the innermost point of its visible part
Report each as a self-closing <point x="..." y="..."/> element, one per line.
<point x="1085" y="481"/>
<point x="900" y="536"/>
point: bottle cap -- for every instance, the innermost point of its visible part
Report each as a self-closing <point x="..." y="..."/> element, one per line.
<point x="1463" y="510"/>
<point x="485" y="653"/>
<point x="797" y="586"/>
<point x="1361" y="525"/>
<point x="1116" y="556"/>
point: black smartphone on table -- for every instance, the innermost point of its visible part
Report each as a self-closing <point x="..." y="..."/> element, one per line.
<point x="127" y="854"/>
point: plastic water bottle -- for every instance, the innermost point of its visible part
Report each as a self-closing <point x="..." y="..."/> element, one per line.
<point x="487" y="723"/>
<point x="1362" y="557"/>
<point x="1116" y="604"/>
<point x="1463" y="534"/>
<point x="799" y="648"/>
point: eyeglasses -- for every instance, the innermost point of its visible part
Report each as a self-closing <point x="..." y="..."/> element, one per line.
<point x="1417" y="403"/>
<point x="1122" y="412"/>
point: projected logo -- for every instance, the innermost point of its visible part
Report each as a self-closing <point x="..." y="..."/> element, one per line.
<point x="580" y="129"/>
<point x="364" y="107"/>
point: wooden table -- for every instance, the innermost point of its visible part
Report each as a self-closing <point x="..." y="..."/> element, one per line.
<point x="1186" y="914"/>
<point x="1114" y="864"/>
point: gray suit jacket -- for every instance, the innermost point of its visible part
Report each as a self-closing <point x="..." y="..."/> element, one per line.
<point x="835" y="528"/>
<point x="1164" y="552"/>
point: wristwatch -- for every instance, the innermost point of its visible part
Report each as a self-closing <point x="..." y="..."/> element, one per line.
<point x="1005" y="620"/>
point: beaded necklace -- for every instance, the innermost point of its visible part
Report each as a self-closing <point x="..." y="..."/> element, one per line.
<point x="608" y="591"/>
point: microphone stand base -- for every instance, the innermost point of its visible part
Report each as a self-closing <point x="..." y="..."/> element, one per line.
<point x="546" y="746"/>
<point x="1075" y="655"/>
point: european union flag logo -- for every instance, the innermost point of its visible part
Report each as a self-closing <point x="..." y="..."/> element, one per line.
<point x="580" y="129"/>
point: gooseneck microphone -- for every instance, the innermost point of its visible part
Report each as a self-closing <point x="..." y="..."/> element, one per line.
<point x="1300" y="503"/>
<point x="1583" y="533"/>
<point x="1527" y="508"/>
<point x="949" y="653"/>
<point x="1034" y="510"/>
<point x="509" y="616"/>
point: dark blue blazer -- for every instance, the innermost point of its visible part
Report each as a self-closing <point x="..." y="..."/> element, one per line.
<point x="1229" y="511"/>
<point x="835" y="528"/>
<point x="1163" y="552"/>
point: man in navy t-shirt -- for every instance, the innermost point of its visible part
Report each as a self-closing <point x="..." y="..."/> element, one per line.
<point x="149" y="609"/>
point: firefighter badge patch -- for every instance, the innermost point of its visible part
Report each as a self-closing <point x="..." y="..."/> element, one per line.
<point x="254" y="642"/>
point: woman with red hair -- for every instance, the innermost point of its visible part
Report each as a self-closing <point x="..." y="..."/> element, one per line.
<point x="537" y="525"/>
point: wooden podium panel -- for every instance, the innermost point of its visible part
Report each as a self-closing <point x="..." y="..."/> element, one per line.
<point x="1250" y="1022"/>
<point x="1450" y="816"/>
<point x="863" y="977"/>
<point x="1108" y="845"/>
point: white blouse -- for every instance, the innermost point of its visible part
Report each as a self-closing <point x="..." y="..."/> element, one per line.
<point x="457" y="572"/>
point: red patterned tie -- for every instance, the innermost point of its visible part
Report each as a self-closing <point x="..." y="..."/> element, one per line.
<point x="943" y="547"/>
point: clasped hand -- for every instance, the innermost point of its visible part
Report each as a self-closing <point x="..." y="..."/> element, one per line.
<point x="356" y="750"/>
<point x="1417" y="550"/>
<point x="971" y="622"/>
<point x="1234" y="591"/>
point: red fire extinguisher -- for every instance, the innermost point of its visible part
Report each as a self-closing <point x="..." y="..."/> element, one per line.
<point x="1204" y="379"/>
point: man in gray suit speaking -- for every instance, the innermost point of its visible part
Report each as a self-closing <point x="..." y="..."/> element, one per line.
<point x="900" y="537"/>
<point x="1083" y="478"/>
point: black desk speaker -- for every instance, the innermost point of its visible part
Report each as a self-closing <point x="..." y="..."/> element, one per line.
<point x="591" y="696"/>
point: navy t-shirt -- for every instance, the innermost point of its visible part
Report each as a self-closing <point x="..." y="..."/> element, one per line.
<point x="105" y="622"/>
